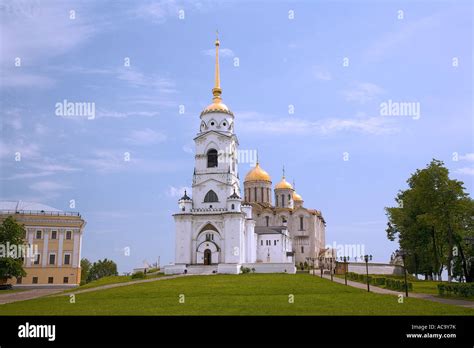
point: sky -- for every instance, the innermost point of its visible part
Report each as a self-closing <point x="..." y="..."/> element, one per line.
<point x="308" y="82"/>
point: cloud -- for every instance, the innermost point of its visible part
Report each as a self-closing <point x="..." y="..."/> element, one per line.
<point x="39" y="30"/>
<point x="19" y="79"/>
<point x="321" y="74"/>
<point x="12" y="119"/>
<point x="49" y="188"/>
<point x="395" y="41"/>
<point x="255" y="122"/>
<point x="465" y="171"/>
<point x="178" y="192"/>
<point x="137" y="79"/>
<point x="188" y="149"/>
<point x="159" y="11"/>
<point x="145" y="137"/>
<point x="26" y="150"/>
<point x="467" y="157"/>
<point x="223" y="52"/>
<point x="125" y="114"/>
<point x="363" y="92"/>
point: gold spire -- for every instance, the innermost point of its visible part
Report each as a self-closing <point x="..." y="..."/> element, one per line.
<point x="217" y="91"/>
<point x="217" y="104"/>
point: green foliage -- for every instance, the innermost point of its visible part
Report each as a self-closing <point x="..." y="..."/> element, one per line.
<point x="456" y="289"/>
<point x="85" y="267"/>
<point x="431" y="221"/>
<point x="388" y="283"/>
<point x="138" y="275"/>
<point x="102" y="268"/>
<point x="11" y="233"/>
<point x="244" y="270"/>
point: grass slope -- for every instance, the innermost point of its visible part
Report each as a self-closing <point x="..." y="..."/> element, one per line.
<point x="251" y="294"/>
<point x="112" y="280"/>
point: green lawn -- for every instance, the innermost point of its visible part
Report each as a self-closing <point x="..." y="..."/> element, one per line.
<point x="111" y="280"/>
<point x="420" y="286"/>
<point x="11" y="291"/>
<point x="251" y="294"/>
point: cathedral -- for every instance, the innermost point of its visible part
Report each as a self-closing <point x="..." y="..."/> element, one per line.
<point x="226" y="228"/>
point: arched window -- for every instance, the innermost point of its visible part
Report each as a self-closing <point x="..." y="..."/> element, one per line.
<point x="211" y="196"/>
<point x="267" y="218"/>
<point x="282" y="200"/>
<point x="255" y="194"/>
<point x="211" y="158"/>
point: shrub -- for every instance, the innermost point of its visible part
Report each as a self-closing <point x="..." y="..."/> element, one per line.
<point x="245" y="270"/>
<point x="138" y="275"/>
<point x="457" y="289"/>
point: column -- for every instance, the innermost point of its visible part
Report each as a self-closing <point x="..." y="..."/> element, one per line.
<point x="44" y="257"/>
<point x="31" y="249"/>
<point x="60" y="247"/>
<point x="75" y="251"/>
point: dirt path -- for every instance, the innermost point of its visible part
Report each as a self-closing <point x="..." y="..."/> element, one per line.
<point x="26" y="295"/>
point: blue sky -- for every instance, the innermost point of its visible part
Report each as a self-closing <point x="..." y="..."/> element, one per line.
<point x="283" y="61"/>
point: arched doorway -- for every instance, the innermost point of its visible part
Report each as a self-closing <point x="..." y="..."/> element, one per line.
<point x="207" y="257"/>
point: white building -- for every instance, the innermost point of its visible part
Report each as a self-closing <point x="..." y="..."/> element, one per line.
<point x="215" y="231"/>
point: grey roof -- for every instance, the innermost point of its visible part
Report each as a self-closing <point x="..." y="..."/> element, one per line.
<point x="269" y="229"/>
<point x="25" y="206"/>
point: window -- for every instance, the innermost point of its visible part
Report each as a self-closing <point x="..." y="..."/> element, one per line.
<point x="38" y="234"/>
<point x="212" y="158"/>
<point x="52" y="259"/>
<point x="262" y="194"/>
<point x="276" y="200"/>
<point x="261" y="242"/>
<point x="66" y="280"/>
<point x="267" y="220"/>
<point x="19" y="280"/>
<point x="67" y="259"/>
<point x="50" y="280"/>
<point x="233" y="206"/>
<point x="68" y="234"/>
<point x="211" y="196"/>
<point x="282" y="200"/>
<point x="35" y="280"/>
<point x="275" y="242"/>
<point x="301" y="223"/>
<point x="289" y="198"/>
<point x="302" y="249"/>
<point x="54" y="234"/>
<point x="255" y="194"/>
<point x="37" y="259"/>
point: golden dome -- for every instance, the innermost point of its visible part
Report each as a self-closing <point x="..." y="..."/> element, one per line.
<point x="297" y="197"/>
<point x="283" y="184"/>
<point x="257" y="174"/>
<point x="217" y="107"/>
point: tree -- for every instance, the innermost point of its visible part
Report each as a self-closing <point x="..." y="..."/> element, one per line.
<point x="102" y="268"/>
<point x="85" y="267"/>
<point x="12" y="235"/>
<point x="433" y="217"/>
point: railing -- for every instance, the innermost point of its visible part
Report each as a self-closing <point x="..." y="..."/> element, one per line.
<point x="207" y="210"/>
<point x="39" y="212"/>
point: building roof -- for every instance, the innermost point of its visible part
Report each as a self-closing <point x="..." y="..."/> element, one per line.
<point x="20" y="206"/>
<point x="257" y="174"/>
<point x="270" y="229"/>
